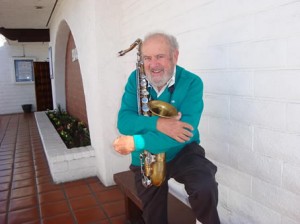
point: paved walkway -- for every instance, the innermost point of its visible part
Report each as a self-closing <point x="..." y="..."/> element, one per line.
<point x="27" y="192"/>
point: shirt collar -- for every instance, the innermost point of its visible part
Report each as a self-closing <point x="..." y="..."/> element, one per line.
<point x="170" y="83"/>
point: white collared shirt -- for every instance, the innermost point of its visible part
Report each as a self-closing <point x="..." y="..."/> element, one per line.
<point x="171" y="82"/>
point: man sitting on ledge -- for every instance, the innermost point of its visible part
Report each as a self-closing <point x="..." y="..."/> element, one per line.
<point x="177" y="137"/>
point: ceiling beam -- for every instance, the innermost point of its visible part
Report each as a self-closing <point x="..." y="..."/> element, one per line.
<point x="26" y="35"/>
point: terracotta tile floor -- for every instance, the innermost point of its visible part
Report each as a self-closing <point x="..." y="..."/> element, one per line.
<point x="27" y="192"/>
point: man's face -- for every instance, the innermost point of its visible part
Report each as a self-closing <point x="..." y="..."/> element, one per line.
<point x="159" y="61"/>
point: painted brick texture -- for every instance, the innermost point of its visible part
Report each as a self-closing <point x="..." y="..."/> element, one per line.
<point x="75" y="98"/>
<point x="247" y="53"/>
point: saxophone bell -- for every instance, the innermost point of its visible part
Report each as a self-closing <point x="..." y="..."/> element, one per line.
<point x="162" y="109"/>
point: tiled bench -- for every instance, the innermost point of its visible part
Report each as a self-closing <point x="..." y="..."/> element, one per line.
<point x="178" y="212"/>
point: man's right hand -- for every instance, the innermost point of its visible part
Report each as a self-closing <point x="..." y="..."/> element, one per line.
<point x="174" y="128"/>
<point x="124" y="144"/>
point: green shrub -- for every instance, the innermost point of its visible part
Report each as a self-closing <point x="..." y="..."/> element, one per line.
<point x="73" y="132"/>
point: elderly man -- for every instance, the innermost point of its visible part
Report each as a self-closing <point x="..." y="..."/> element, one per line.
<point x="177" y="137"/>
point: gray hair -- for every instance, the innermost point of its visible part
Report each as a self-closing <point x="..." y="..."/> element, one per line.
<point x="169" y="38"/>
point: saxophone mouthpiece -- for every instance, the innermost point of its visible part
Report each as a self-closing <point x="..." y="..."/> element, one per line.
<point x="121" y="53"/>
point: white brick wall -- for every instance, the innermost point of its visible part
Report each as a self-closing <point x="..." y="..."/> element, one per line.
<point x="13" y="95"/>
<point x="292" y="117"/>
<point x="247" y="53"/>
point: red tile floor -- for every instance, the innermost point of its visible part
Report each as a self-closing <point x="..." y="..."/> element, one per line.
<point x="27" y="192"/>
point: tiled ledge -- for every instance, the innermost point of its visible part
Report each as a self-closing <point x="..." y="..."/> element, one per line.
<point x="65" y="164"/>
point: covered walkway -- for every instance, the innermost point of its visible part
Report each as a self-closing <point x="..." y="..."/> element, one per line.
<point x="27" y="192"/>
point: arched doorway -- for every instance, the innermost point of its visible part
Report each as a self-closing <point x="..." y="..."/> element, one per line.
<point x="68" y="85"/>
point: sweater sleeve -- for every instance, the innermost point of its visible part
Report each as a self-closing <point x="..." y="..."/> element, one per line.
<point x="189" y="101"/>
<point x="129" y="121"/>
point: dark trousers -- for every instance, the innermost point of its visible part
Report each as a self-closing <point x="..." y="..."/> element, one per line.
<point x="191" y="168"/>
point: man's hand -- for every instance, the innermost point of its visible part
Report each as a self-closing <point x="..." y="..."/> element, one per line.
<point x="174" y="128"/>
<point x="124" y="145"/>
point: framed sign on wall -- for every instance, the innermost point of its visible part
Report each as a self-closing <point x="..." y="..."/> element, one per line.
<point x="23" y="68"/>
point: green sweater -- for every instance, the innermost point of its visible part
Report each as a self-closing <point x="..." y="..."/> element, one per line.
<point x="186" y="97"/>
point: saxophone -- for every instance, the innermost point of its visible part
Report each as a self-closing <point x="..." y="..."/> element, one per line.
<point x="153" y="166"/>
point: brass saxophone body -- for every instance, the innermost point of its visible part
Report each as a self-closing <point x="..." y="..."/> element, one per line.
<point x="153" y="166"/>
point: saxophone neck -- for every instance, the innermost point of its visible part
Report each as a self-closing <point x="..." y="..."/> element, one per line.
<point x="137" y="42"/>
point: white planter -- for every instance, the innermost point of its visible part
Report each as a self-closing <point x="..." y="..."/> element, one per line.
<point x="65" y="164"/>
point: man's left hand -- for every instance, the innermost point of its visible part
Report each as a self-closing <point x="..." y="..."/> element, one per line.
<point x="124" y="145"/>
<point x="174" y="128"/>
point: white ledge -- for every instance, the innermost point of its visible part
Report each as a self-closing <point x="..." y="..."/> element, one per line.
<point x="65" y="164"/>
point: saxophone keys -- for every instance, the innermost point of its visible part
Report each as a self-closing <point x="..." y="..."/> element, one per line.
<point x="146" y="182"/>
<point x="145" y="100"/>
<point x="142" y="76"/>
<point x="145" y="109"/>
<point x="143" y="83"/>
<point x="144" y="92"/>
